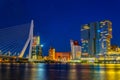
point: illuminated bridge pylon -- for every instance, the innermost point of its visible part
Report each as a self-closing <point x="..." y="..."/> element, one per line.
<point x="17" y="41"/>
<point x="29" y="41"/>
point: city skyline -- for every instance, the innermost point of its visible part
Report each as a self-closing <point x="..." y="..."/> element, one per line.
<point x="60" y="20"/>
<point x="59" y="39"/>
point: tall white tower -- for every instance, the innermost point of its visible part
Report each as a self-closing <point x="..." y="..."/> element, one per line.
<point x="29" y="41"/>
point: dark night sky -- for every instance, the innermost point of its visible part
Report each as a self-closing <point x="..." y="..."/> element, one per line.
<point x="58" y="21"/>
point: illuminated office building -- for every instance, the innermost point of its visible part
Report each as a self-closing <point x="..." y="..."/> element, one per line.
<point x="75" y="50"/>
<point x="36" y="48"/>
<point x="62" y="56"/>
<point x="95" y="38"/>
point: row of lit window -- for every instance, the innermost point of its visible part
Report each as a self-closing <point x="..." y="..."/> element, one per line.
<point x="84" y="41"/>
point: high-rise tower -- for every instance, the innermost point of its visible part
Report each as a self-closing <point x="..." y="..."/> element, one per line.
<point x="36" y="48"/>
<point x="95" y="38"/>
<point x="75" y="50"/>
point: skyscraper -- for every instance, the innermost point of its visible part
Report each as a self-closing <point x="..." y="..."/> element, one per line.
<point x="75" y="50"/>
<point x="95" y="38"/>
<point x="36" y="48"/>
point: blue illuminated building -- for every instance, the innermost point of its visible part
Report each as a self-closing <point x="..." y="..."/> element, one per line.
<point x="95" y="38"/>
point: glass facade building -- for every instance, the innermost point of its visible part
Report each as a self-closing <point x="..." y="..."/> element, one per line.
<point x="36" y="48"/>
<point x="95" y="38"/>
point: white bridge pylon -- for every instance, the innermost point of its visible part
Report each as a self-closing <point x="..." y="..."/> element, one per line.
<point x="28" y="41"/>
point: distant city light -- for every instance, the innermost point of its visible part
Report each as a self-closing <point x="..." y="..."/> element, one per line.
<point x="41" y="45"/>
<point x="98" y="30"/>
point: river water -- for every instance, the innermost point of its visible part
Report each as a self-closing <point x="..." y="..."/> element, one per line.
<point x="42" y="71"/>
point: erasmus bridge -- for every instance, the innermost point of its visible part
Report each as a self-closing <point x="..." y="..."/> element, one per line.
<point x="16" y="42"/>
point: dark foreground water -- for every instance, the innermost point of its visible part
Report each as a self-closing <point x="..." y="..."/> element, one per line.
<point x="59" y="72"/>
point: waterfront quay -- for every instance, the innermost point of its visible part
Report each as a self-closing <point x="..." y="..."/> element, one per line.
<point x="85" y="60"/>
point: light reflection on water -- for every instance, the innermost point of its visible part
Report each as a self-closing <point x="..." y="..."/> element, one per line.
<point x="59" y="71"/>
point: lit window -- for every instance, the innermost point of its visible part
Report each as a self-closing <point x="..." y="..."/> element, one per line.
<point x="98" y="31"/>
<point x="86" y="27"/>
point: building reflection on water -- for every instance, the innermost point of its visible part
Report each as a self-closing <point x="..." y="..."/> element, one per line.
<point x="72" y="73"/>
<point x="59" y="72"/>
<point x="113" y="72"/>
